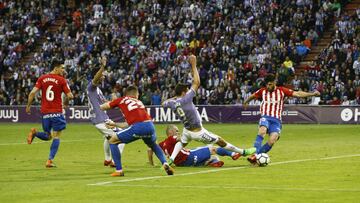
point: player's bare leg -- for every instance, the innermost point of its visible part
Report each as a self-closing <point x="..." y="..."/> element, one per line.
<point x="159" y="154"/>
<point x="273" y="138"/>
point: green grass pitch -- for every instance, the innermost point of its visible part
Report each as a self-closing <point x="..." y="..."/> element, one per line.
<point x="310" y="163"/>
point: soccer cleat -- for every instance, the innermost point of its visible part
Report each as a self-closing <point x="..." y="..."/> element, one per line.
<point x="117" y="174"/>
<point x="249" y="151"/>
<point x="252" y="159"/>
<point x="109" y="163"/>
<point x="169" y="170"/>
<point x="216" y="164"/>
<point x="236" y="156"/>
<point x="50" y="164"/>
<point x="31" y="135"/>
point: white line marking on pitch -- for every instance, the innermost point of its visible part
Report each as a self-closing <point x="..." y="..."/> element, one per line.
<point x="41" y="142"/>
<point x="217" y="170"/>
<point x="237" y="187"/>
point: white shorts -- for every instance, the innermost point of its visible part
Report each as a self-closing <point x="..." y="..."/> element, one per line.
<point x="203" y="136"/>
<point x="104" y="130"/>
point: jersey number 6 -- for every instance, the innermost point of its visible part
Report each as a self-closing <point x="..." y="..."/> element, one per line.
<point x="49" y="93"/>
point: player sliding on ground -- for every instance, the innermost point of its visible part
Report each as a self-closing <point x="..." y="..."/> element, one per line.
<point x="271" y="110"/>
<point x="183" y="106"/>
<point x="201" y="156"/>
<point x="140" y="126"/>
<point x="52" y="85"/>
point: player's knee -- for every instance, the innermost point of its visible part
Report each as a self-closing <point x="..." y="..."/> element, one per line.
<point x="221" y="142"/>
<point x="262" y="131"/>
<point x="273" y="139"/>
<point x="212" y="150"/>
<point x="55" y="135"/>
<point x="114" y="140"/>
<point x="150" y="144"/>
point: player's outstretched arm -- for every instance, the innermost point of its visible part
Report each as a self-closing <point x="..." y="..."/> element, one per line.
<point x="249" y="99"/>
<point x="112" y="124"/>
<point x="105" y="106"/>
<point x="165" y="103"/>
<point x="301" y="94"/>
<point x="69" y="96"/>
<point x="150" y="156"/>
<point x="31" y="99"/>
<point x="96" y="80"/>
<point x="196" y="78"/>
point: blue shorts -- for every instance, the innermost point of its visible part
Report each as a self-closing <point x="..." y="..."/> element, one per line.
<point x="272" y="124"/>
<point x="197" y="157"/>
<point x="54" y="121"/>
<point x="143" y="130"/>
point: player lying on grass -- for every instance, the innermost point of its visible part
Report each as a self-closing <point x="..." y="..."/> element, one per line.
<point x="140" y="124"/>
<point x="98" y="117"/>
<point x="52" y="85"/>
<point x="201" y="156"/>
<point x="183" y="106"/>
<point x="271" y="109"/>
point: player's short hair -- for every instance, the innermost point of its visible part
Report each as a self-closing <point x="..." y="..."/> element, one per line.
<point x="56" y="63"/>
<point x="180" y="88"/>
<point x="269" y="78"/>
<point x="131" y="90"/>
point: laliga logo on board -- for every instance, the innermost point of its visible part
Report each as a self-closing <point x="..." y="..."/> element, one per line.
<point x="348" y="114"/>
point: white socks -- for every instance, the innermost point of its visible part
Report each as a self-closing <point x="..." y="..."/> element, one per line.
<point x="107" y="150"/>
<point x="232" y="148"/>
<point x="176" y="151"/>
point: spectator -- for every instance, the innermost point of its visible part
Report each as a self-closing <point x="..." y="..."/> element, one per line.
<point x="156" y="98"/>
<point x="356" y="66"/>
<point x="145" y="49"/>
<point x="289" y="65"/>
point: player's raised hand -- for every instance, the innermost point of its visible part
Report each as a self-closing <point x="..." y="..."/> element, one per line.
<point x="245" y="105"/>
<point x="103" y="61"/>
<point x="192" y="60"/>
<point x="110" y="124"/>
<point x="28" y="110"/>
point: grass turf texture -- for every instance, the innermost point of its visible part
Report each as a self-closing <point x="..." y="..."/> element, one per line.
<point x="24" y="177"/>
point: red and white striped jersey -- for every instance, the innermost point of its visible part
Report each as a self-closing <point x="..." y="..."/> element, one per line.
<point x="273" y="102"/>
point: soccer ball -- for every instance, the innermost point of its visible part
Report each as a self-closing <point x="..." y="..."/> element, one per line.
<point x="262" y="159"/>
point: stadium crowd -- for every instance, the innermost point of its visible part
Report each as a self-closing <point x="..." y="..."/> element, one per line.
<point x="147" y="42"/>
<point x="336" y="71"/>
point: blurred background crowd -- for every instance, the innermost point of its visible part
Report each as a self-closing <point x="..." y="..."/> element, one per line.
<point x="146" y="42"/>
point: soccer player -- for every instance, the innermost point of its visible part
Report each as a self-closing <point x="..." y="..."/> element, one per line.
<point x="140" y="126"/>
<point x="182" y="104"/>
<point x="52" y="85"/>
<point x="98" y="117"/>
<point x="271" y="109"/>
<point x="201" y="156"/>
